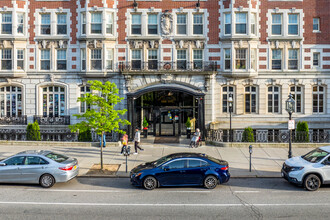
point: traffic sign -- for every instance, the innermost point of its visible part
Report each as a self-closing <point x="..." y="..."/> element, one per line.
<point x="291" y="125"/>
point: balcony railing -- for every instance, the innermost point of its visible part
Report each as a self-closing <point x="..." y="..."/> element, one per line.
<point x="48" y="120"/>
<point x="167" y="66"/>
<point x="22" y="120"/>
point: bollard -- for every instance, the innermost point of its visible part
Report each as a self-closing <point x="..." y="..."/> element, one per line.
<point x="250" y="151"/>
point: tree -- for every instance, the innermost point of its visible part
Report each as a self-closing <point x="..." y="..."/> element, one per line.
<point x="102" y="116"/>
<point x="302" y="132"/>
<point x="248" y="135"/>
<point x="33" y="132"/>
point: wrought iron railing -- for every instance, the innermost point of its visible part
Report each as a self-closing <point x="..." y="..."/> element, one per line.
<point x="47" y="120"/>
<point x="22" y="120"/>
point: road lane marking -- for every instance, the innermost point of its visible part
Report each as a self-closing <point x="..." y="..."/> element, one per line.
<point x="246" y="191"/>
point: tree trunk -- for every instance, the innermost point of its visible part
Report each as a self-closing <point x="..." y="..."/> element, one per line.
<point x="101" y="147"/>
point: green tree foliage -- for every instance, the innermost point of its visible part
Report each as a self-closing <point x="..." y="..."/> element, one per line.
<point x="145" y="123"/>
<point x="85" y="136"/>
<point x="33" y="132"/>
<point x="188" y="123"/>
<point x="102" y="116"/>
<point x="248" y="135"/>
<point x="302" y="134"/>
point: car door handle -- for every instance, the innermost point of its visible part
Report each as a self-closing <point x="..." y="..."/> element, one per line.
<point x="182" y="171"/>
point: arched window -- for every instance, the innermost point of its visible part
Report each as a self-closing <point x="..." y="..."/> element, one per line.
<point x="11" y="101"/>
<point x="53" y="101"/>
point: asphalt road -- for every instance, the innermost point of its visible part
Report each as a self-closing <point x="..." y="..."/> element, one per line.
<point x="98" y="198"/>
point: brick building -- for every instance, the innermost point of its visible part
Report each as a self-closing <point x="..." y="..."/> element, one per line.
<point x="171" y="59"/>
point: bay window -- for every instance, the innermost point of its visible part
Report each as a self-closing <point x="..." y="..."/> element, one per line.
<point x="96" y="59"/>
<point x="109" y="59"/>
<point x="293" y="59"/>
<point x="45" y="59"/>
<point x="241" y="23"/>
<point x="20" y="59"/>
<point x="6" y="23"/>
<point x="227" y="59"/>
<point x="20" y="23"/>
<point x="240" y="61"/>
<point x="61" y="59"/>
<point x="276" y="59"/>
<point x="96" y="23"/>
<point x="109" y="25"/>
<point x="6" y="59"/>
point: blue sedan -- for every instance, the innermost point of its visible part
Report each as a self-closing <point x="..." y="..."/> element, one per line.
<point x="181" y="169"/>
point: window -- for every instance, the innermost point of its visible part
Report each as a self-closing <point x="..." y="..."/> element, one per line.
<point x="297" y="95"/>
<point x="240" y="58"/>
<point x="316" y="59"/>
<point x="250" y="99"/>
<point x="53" y="101"/>
<point x="61" y="24"/>
<point x="83" y="105"/>
<point x="20" y="23"/>
<point x="152" y="59"/>
<point x="136" y="59"/>
<point x="61" y="59"/>
<point x="276" y="24"/>
<point x="59" y="158"/>
<point x="198" y="59"/>
<point x="273" y="99"/>
<point x="20" y="59"/>
<point x="253" y="23"/>
<point x="45" y="24"/>
<point x="45" y="60"/>
<point x="293" y="59"/>
<point x="240" y="23"/>
<point x="226" y="91"/>
<point x="178" y="164"/>
<point x="198" y="24"/>
<point x="152" y="24"/>
<point x="96" y="59"/>
<point x="109" y="26"/>
<point x="316" y="24"/>
<point x="227" y="23"/>
<point x="293" y="24"/>
<point x="136" y="24"/>
<point x="96" y="23"/>
<point x="318" y="99"/>
<point x="6" y="26"/>
<point x="227" y="59"/>
<point x="109" y="59"/>
<point x="196" y="163"/>
<point x="276" y="59"/>
<point x="15" y="161"/>
<point x="181" y="59"/>
<point x="83" y="23"/>
<point x="31" y="160"/>
<point x="6" y="59"/>
<point x="254" y="59"/>
<point x="181" y="24"/>
<point x="11" y="101"/>
<point x="83" y="59"/>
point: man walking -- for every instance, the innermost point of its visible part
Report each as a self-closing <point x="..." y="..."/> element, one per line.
<point x="137" y="140"/>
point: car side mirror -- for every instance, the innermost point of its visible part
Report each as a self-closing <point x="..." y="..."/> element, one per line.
<point x="3" y="164"/>
<point x="166" y="168"/>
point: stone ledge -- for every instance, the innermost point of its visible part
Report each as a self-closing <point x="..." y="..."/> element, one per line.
<point x="266" y="145"/>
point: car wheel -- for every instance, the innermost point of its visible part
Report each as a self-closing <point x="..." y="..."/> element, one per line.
<point x="312" y="182"/>
<point x="150" y="183"/>
<point x="210" y="182"/>
<point x="47" y="181"/>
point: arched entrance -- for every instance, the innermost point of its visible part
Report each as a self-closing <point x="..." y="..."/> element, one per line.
<point x="166" y="107"/>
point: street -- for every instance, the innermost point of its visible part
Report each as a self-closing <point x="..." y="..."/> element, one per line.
<point x="115" y="198"/>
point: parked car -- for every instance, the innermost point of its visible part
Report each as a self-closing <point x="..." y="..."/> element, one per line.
<point x="41" y="167"/>
<point x="310" y="170"/>
<point x="181" y="169"/>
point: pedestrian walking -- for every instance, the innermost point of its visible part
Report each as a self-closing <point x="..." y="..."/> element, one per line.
<point x="137" y="140"/>
<point x="124" y="142"/>
<point x="104" y="142"/>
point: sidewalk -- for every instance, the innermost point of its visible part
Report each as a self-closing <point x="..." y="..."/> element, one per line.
<point x="266" y="162"/>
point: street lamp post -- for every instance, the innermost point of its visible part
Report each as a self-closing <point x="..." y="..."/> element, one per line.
<point x="230" y="101"/>
<point x="289" y="107"/>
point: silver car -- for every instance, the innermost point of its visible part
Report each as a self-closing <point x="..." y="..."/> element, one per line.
<point x="42" y="167"/>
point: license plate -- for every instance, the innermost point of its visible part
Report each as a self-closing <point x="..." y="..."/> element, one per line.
<point x="75" y="167"/>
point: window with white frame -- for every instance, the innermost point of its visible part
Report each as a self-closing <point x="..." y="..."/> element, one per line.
<point x="276" y="24"/>
<point x="96" y="59"/>
<point x="293" y="24"/>
<point x="241" y="23"/>
<point x="136" y="59"/>
<point x="152" y="24"/>
<point x="253" y="23"/>
<point x="240" y="61"/>
<point x="20" y="23"/>
<point x="198" y="59"/>
<point x="254" y="59"/>
<point x="250" y="99"/>
<point x="152" y="59"/>
<point x="83" y="58"/>
<point x="6" y="23"/>
<point x="273" y="95"/>
<point x="96" y="23"/>
<point x="6" y="59"/>
<point x="226" y="91"/>
<point x="83" y="23"/>
<point x="297" y="95"/>
<point x="198" y="24"/>
<point x="61" y="60"/>
<point x="20" y="59"/>
<point x="61" y="24"/>
<point x="109" y="25"/>
<point x="181" y="59"/>
<point x="83" y="105"/>
<point x="227" y="23"/>
<point x="181" y="24"/>
<point x="276" y="59"/>
<point x="53" y="101"/>
<point x="109" y="59"/>
<point x="45" y="59"/>
<point x="227" y="59"/>
<point x="293" y="59"/>
<point x="316" y="24"/>
<point x="136" y="24"/>
<point x="318" y="99"/>
<point x="45" y="24"/>
<point x="316" y="59"/>
<point x="11" y="101"/>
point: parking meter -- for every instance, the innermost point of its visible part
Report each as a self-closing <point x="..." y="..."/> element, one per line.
<point x="250" y="151"/>
<point x="127" y="152"/>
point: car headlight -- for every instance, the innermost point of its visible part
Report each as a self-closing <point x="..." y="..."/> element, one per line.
<point x="296" y="168"/>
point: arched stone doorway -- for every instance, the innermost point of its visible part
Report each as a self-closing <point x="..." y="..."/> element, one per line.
<point x="166" y="108"/>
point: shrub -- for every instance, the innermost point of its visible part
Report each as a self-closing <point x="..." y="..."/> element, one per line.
<point x="302" y="134"/>
<point x="188" y="123"/>
<point x="248" y="135"/>
<point x="145" y="123"/>
<point x="85" y="136"/>
<point x="33" y="132"/>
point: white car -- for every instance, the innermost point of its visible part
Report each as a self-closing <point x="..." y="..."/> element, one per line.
<point x="310" y="170"/>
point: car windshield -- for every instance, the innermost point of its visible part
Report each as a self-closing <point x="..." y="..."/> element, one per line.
<point x="215" y="160"/>
<point x="315" y="155"/>
<point x="59" y="158"/>
<point x="162" y="160"/>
